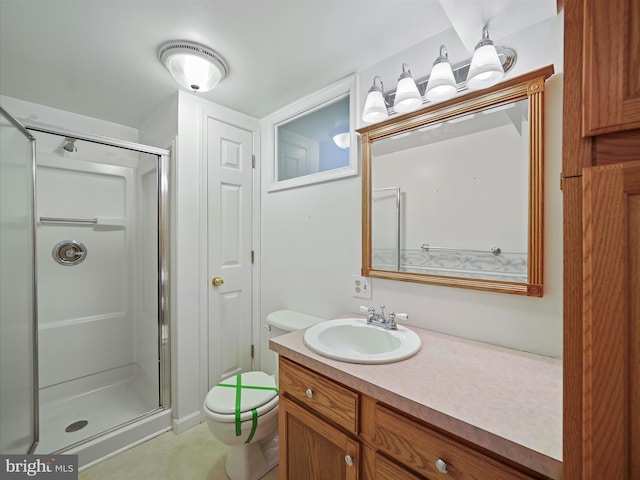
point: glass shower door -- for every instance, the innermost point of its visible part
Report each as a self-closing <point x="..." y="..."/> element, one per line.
<point x="18" y="357"/>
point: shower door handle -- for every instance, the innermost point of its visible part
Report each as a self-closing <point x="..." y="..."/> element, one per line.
<point x="217" y="281"/>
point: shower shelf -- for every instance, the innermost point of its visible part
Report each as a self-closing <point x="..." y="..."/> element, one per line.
<point x="96" y="222"/>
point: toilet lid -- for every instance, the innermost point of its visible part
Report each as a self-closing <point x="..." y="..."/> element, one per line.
<point x="241" y="393"/>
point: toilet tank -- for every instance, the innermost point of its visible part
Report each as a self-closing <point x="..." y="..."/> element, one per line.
<point x="285" y="321"/>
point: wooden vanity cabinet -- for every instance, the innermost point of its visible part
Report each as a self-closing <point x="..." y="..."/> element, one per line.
<point x="313" y="449"/>
<point x="328" y="431"/>
<point x="318" y="427"/>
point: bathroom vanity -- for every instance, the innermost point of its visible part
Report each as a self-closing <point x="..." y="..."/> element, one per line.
<point x="458" y="409"/>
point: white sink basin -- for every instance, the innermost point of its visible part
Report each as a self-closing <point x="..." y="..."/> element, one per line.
<point x="352" y="340"/>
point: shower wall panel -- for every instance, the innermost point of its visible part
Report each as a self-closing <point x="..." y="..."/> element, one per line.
<point x="86" y="324"/>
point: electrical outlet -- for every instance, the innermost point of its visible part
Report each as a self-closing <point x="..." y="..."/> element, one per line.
<point x="361" y="287"/>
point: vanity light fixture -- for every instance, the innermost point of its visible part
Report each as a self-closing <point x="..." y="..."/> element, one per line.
<point x="375" y="108"/>
<point x="486" y="69"/>
<point x="442" y="84"/>
<point x="193" y="66"/>
<point x="407" y="95"/>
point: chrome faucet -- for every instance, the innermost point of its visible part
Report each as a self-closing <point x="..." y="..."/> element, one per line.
<point x="379" y="320"/>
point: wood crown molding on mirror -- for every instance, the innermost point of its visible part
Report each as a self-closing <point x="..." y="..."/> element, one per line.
<point x="529" y="87"/>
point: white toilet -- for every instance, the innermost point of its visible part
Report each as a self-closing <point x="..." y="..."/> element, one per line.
<point x="242" y="411"/>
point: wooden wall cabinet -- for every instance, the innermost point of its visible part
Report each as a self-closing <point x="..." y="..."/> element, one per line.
<point x="601" y="186"/>
<point x="330" y="432"/>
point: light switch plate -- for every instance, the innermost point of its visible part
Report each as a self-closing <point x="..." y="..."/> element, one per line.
<point x="361" y="287"/>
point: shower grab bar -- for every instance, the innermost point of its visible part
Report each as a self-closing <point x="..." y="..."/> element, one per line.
<point x="495" y="250"/>
<point x="92" y="221"/>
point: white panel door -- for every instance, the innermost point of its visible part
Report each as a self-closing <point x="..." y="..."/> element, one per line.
<point x="230" y="185"/>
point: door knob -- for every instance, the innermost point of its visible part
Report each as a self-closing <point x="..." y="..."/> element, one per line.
<point x="217" y="281"/>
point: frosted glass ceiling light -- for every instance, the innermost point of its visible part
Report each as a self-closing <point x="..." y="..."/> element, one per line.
<point x="442" y="84"/>
<point x="194" y="66"/>
<point x="407" y="95"/>
<point x="486" y="69"/>
<point x="375" y="108"/>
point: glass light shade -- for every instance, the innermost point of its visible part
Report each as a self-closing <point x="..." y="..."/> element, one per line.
<point x="375" y="110"/>
<point x="407" y="96"/>
<point x="193" y="72"/>
<point x="486" y="69"/>
<point x="442" y="84"/>
<point x="193" y="66"/>
<point x="342" y="140"/>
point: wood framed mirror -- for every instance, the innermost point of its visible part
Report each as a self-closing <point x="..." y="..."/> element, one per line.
<point x="452" y="194"/>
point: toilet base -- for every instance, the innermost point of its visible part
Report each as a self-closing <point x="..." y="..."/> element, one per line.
<point x="253" y="461"/>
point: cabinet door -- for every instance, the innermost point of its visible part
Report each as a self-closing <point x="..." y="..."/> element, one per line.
<point x="311" y="449"/>
<point x="611" y="77"/>
<point x="611" y="310"/>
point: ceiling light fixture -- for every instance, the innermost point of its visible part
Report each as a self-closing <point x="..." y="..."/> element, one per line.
<point x="342" y="140"/>
<point x="194" y="66"/>
<point x="442" y="84"/>
<point x="407" y="95"/>
<point x="486" y="69"/>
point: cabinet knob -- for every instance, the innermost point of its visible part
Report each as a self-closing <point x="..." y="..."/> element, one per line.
<point x="309" y="393"/>
<point x="348" y="460"/>
<point x="442" y="467"/>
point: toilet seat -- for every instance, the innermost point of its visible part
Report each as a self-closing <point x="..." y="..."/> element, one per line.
<point x="242" y="397"/>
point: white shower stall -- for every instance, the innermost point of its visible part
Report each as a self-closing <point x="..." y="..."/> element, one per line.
<point x="100" y="223"/>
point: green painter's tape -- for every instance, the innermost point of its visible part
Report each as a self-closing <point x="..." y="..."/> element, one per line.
<point x="254" y="424"/>
<point x="248" y="387"/>
<point x="238" y="394"/>
<point x="254" y="412"/>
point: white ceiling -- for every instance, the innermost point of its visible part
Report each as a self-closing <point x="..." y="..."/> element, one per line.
<point x="99" y="57"/>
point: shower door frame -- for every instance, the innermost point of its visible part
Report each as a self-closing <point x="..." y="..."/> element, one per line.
<point x="164" y="308"/>
<point x="36" y="400"/>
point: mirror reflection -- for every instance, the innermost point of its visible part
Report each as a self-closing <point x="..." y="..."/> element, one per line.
<point x="315" y="141"/>
<point x="450" y="198"/>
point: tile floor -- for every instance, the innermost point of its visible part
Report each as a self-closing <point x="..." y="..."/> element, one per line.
<point x="192" y="455"/>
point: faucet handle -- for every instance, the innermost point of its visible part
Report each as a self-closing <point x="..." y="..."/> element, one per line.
<point x="364" y="309"/>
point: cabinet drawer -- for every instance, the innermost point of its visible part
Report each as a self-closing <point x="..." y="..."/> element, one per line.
<point x="421" y="449"/>
<point x="335" y="402"/>
<point x="387" y="470"/>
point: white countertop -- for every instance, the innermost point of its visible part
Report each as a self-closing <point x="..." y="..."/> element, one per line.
<point x="506" y="401"/>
